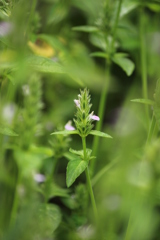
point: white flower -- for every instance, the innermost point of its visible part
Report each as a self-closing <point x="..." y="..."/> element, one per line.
<point x="9" y="112"/>
<point x="26" y="90"/>
<point x="69" y="126"/>
<point x="94" y="117"/>
<point x="77" y="102"/>
<point x="39" y="177"/>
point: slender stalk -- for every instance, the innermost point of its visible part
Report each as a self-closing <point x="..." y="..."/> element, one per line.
<point x="116" y="24"/>
<point x="151" y="129"/>
<point x="103" y="98"/>
<point x="89" y="185"/>
<point x="143" y="60"/>
<point x="129" y="230"/>
<point x="15" y="202"/>
<point x="32" y="10"/>
<point x="101" y="116"/>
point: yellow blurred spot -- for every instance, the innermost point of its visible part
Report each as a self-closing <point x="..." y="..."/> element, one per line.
<point x="41" y="48"/>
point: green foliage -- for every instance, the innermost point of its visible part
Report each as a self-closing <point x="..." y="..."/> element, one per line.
<point x="87" y="188"/>
<point x="74" y="169"/>
<point x="7" y="131"/>
<point x="126" y="64"/>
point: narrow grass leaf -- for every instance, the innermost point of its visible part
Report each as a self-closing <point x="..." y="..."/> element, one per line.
<point x="74" y="169"/>
<point x="85" y="29"/>
<point x="65" y="132"/>
<point x="100" y="134"/>
<point x="144" y="101"/>
<point x="99" y="54"/>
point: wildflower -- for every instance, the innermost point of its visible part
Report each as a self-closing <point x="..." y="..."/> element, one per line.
<point x="69" y="126"/>
<point x="84" y="118"/>
<point x="77" y="102"/>
<point x="5" y="28"/>
<point x="94" y="117"/>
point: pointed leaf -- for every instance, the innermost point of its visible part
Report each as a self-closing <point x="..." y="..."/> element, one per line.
<point x="100" y="134"/>
<point x="65" y="132"/>
<point x="70" y="156"/>
<point x="45" y="65"/>
<point x="7" y="131"/>
<point x="74" y="169"/>
<point x="79" y="153"/>
<point x="126" y="64"/>
<point x="49" y="218"/>
<point x="99" y="54"/>
<point x="144" y="101"/>
<point x="85" y="29"/>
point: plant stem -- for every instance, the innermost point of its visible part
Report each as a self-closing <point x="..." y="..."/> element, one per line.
<point x="143" y="60"/>
<point x="150" y="134"/>
<point x="15" y="201"/>
<point x="90" y="190"/>
<point x="151" y="129"/>
<point x="115" y="25"/>
<point x="103" y="98"/>
<point x="32" y="10"/>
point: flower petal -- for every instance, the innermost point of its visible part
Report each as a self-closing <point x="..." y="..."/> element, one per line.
<point x="94" y="117"/>
<point x="77" y="102"/>
<point x="69" y="126"/>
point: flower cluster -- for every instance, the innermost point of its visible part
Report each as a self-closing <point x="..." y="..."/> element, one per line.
<point x="84" y="118"/>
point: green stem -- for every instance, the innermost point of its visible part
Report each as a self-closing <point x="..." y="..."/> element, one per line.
<point x="143" y="60"/>
<point x="15" y="202"/>
<point x="115" y="25"/>
<point x="129" y="230"/>
<point x="90" y="190"/>
<point x="151" y="129"/>
<point x="33" y="7"/>
<point x="101" y="112"/>
<point x="103" y="98"/>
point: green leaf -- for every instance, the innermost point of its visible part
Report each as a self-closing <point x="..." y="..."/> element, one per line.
<point x="126" y="64"/>
<point x="7" y="131"/>
<point x="99" y="54"/>
<point x="44" y="151"/>
<point x="70" y="156"/>
<point x="74" y="169"/>
<point x="79" y="153"/>
<point x="49" y="219"/>
<point x="29" y="162"/>
<point x="127" y="7"/>
<point x="155" y="7"/>
<point x="45" y="65"/>
<point x="85" y="29"/>
<point x="144" y="101"/>
<point x="65" y="132"/>
<point x="100" y="134"/>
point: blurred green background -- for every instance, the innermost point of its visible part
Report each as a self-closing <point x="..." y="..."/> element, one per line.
<point x="45" y="59"/>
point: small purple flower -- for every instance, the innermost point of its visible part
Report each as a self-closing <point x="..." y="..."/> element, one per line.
<point x="39" y="177"/>
<point x="77" y="102"/>
<point x="5" y="28"/>
<point x="69" y="126"/>
<point x="94" y="117"/>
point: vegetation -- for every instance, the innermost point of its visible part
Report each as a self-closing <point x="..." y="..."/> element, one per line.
<point x="85" y="167"/>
